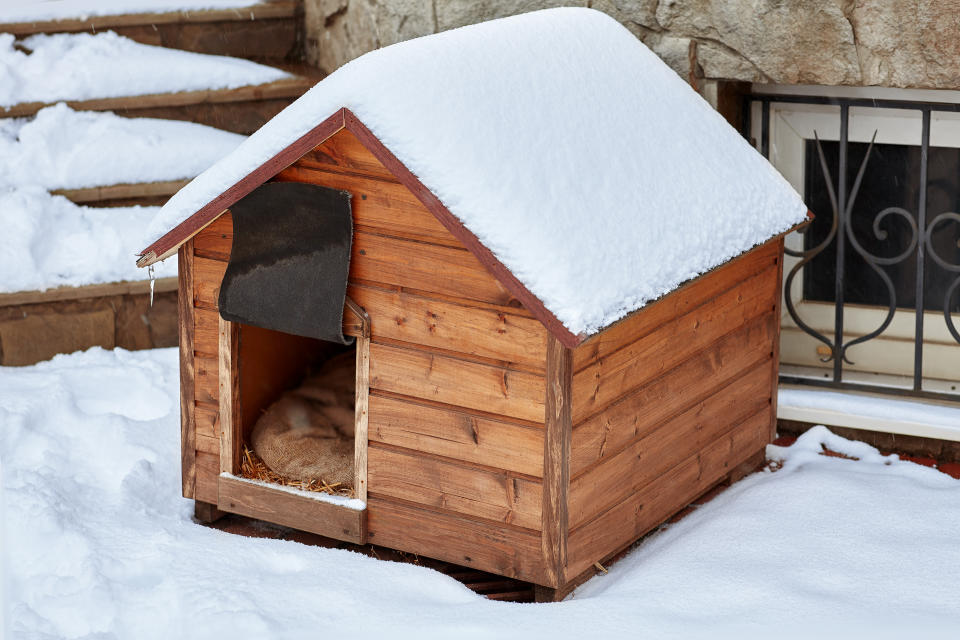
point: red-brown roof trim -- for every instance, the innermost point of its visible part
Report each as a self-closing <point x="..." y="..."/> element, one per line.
<point x="344" y="118"/>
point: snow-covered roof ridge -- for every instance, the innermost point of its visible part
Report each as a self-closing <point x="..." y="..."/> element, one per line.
<point x="588" y="168"/>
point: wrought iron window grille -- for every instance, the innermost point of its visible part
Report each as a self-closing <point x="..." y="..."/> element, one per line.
<point x="841" y="238"/>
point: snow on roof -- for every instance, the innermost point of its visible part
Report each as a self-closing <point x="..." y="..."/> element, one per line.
<point x="584" y="163"/>
<point x="65" y="149"/>
<point x="36" y="10"/>
<point x="83" y="66"/>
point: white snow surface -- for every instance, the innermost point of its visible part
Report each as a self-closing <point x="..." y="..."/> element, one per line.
<point x="48" y="241"/>
<point x="60" y="148"/>
<point x="36" y="10"/>
<point x="97" y="542"/>
<point x="583" y="162"/>
<point x="872" y="406"/>
<point x="84" y="66"/>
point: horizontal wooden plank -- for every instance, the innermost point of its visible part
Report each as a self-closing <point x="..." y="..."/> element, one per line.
<point x="270" y="9"/>
<point x="343" y="152"/>
<point x="206" y="379"/>
<point x="208" y="469"/>
<point x="605" y="380"/>
<point x="292" y="87"/>
<point x="291" y="510"/>
<point x="382" y="207"/>
<point x="456" y="434"/>
<point x="501" y="549"/>
<point x="141" y="190"/>
<point x="444" y="484"/>
<point x="421" y="374"/>
<point x="215" y="241"/>
<point x="645" y="459"/>
<point x="695" y="378"/>
<point x="207" y="276"/>
<point x="59" y="294"/>
<point x="207" y="419"/>
<point x="648" y="507"/>
<point x="206" y="332"/>
<point x="444" y="325"/>
<point x="208" y="445"/>
<point x="428" y="267"/>
<point x="683" y="300"/>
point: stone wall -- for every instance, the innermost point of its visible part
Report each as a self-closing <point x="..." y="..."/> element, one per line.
<point x="831" y="42"/>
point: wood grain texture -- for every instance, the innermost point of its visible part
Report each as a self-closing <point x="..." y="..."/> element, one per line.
<point x="188" y="471"/>
<point x="645" y="459"/>
<point x="207" y="419"/>
<point x="691" y="295"/>
<point x="215" y="241"/>
<point x="236" y="495"/>
<point x="457" y="433"/>
<point x="292" y="87"/>
<point x="556" y="460"/>
<point x="206" y="331"/>
<point x="501" y="549"/>
<point x="428" y="267"/>
<point x="603" y="381"/>
<point x="450" y="486"/>
<point x="228" y="370"/>
<point x="655" y="502"/>
<point x="344" y="153"/>
<point x="421" y="374"/>
<point x="62" y="294"/>
<point x="208" y="470"/>
<point x="679" y="388"/>
<point x="361" y="417"/>
<point x="206" y="282"/>
<point x="206" y="385"/>
<point x="378" y="206"/>
<point x="775" y="378"/>
<point x="487" y="333"/>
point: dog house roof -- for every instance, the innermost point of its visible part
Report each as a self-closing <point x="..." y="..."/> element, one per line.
<point x="592" y="177"/>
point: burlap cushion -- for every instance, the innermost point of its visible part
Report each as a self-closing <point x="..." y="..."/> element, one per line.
<point x="308" y="433"/>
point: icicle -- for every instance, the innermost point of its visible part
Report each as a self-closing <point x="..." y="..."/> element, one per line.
<point x="153" y="282"/>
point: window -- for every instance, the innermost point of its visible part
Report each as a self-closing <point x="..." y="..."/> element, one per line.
<point x="853" y="321"/>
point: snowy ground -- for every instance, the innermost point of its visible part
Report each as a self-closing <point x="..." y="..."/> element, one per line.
<point x="98" y="543"/>
<point x="60" y="148"/>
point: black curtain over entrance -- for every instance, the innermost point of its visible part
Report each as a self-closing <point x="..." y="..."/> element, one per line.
<point x="290" y="259"/>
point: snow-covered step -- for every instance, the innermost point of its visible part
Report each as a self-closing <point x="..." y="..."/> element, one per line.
<point x="100" y="157"/>
<point x="107" y="72"/>
<point x="68" y="280"/>
<point x="257" y="29"/>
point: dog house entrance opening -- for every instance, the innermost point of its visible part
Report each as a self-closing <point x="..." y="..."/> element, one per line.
<point x="297" y="397"/>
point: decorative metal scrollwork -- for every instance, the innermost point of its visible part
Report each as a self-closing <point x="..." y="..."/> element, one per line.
<point x="949" y="266"/>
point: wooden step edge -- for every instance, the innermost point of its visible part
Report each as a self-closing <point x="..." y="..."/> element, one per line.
<point x="292" y="87"/>
<point x="128" y="287"/>
<point x="270" y="9"/>
<point x="122" y="191"/>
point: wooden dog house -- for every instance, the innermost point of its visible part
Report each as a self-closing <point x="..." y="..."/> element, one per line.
<point x="488" y="433"/>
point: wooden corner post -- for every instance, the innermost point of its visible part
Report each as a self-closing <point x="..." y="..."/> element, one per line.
<point x="556" y="460"/>
<point x="229" y="387"/>
<point x="188" y="442"/>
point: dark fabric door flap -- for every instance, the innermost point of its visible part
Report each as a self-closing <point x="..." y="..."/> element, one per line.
<point x="290" y="259"/>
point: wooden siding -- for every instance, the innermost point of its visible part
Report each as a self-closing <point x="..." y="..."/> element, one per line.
<point x="669" y="401"/>
<point x="457" y="391"/>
